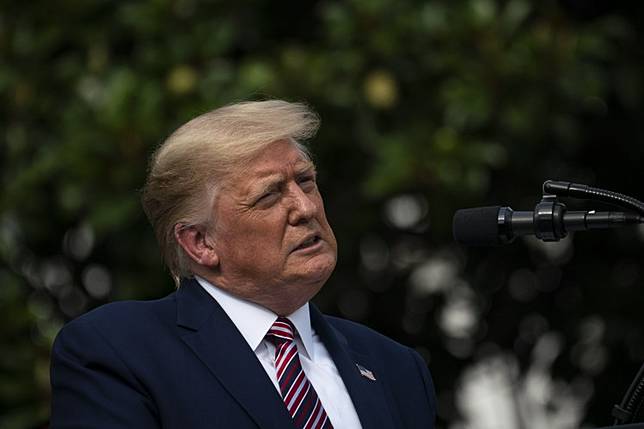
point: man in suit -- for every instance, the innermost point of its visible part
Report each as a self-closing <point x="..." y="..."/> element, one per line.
<point x="233" y="201"/>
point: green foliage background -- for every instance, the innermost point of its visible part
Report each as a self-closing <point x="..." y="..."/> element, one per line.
<point x="426" y="106"/>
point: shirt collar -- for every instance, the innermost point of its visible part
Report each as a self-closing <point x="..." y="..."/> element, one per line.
<point x="253" y="321"/>
<point x="301" y="318"/>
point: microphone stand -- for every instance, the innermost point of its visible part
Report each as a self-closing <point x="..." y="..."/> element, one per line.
<point x="548" y="217"/>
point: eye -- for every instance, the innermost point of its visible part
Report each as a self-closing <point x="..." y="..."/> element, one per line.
<point x="267" y="198"/>
<point x="307" y="183"/>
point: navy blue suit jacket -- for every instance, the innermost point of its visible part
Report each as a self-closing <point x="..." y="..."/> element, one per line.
<point x="179" y="362"/>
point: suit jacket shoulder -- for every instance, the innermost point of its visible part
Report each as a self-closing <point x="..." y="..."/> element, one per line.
<point x="180" y="362"/>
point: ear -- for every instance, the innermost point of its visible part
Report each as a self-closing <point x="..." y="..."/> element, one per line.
<point x="194" y="241"/>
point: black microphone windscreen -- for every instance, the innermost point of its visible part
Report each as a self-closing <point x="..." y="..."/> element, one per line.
<point x="477" y="227"/>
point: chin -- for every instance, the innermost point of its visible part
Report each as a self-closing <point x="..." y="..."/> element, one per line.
<point x="322" y="267"/>
<point x="314" y="274"/>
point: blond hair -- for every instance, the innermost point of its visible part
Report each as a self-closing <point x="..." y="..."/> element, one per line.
<point x="189" y="167"/>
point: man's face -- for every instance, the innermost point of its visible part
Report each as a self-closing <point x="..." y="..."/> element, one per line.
<point x="270" y="232"/>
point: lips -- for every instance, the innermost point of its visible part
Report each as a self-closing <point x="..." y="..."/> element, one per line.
<point x="309" y="241"/>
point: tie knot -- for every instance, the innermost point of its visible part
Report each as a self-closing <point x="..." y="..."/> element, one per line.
<point x="281" y="331"/>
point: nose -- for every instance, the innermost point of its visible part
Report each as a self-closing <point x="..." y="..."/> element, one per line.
<point x="302" y="207"/>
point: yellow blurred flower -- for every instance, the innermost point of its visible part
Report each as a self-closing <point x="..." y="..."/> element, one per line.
<point x="182" y="79"/>
<point x="381" y="89"/>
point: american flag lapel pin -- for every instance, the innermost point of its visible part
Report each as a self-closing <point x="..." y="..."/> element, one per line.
<point x="366" y="373"/>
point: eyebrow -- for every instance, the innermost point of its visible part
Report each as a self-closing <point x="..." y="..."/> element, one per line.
<point x="306" y="167"/>
<point x="271" y="180"/>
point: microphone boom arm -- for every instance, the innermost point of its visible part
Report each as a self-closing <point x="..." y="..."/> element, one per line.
<point x="576" y="190"/>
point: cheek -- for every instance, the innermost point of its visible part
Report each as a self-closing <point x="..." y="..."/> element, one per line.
<point x="319" y="204"/>
<point x="324" y="223"/>
<point x="261" y="244"/>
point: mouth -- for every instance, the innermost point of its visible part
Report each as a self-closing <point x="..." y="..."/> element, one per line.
<point x="309" y="242"/>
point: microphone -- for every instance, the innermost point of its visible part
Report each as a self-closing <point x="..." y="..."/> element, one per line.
<point x="489" y="226"/>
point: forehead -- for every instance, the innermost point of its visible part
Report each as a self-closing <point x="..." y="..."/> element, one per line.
<point x="274" y="162"/>
<point x="277" y="158"/>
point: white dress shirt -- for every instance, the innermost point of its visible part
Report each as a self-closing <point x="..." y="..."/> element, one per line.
<point x="253" y="322"/>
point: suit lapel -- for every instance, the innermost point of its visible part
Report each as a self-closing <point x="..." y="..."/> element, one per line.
<point x="368" y="396"/>
<point x="215" y="340"/>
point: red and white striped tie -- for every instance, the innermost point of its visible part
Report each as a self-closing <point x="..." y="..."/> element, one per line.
<point x="301" y="400"/>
